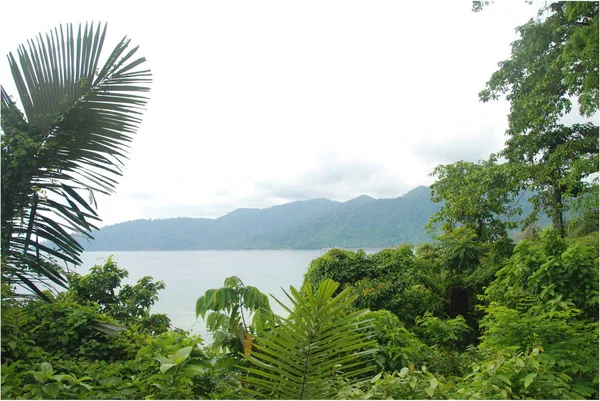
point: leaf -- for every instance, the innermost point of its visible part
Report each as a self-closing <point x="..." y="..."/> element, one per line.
<point x="80" y="122"/>
<point x="163" y="359"/>
<point x="504" y="379"/>
<point x="166" y="366"/>
<point x="46" y="369"/>
<point x="196" y="369"/>
<point x="319" y="339"/>
<point x="181" y="355"/>
<point x="429" y="391"/>
<point x="433" y="382"/>
<point x="529" y="379"/>
<point x="233" y="282"/>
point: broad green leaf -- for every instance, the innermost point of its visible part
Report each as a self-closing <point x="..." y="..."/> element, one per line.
<point x="46" y="368"/>
<point x="181" y="355"/>
<point x="504" y="379"/>
<point x="166" y="366"/>
<point x="433" y="382"/>
<point x="163" y="359"/>
<point x="529" y="379"/>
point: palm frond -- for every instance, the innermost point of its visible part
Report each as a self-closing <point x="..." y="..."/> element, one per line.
<point x="319" y="346"/>
<point x="70" y="143"/>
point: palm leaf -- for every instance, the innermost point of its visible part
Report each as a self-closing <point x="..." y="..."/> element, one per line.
<point x="319" y="346"/>
<point x="80" y="119"/>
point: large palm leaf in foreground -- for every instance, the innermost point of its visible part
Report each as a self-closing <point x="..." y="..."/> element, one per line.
<point x="319" y="347"/>
<point x="69" y="144"/>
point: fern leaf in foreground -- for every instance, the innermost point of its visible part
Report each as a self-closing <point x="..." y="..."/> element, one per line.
<point x="318" y="348"/>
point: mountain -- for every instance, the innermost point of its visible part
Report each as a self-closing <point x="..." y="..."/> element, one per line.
<point x="243" y="222"/>
<point x="316" y="223"/>
<point x="362" y="222"/>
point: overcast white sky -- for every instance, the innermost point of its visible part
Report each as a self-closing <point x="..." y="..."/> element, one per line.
<point x="258" y="103"/>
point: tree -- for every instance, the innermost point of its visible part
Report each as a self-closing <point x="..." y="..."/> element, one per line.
<point x="130" y="305"/>
<point x="554" y="62"/>
<point x="480" y="196"/>
<point x="68" y="145"/>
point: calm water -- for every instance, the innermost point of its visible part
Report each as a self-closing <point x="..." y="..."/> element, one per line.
<point x="188" y="274"/>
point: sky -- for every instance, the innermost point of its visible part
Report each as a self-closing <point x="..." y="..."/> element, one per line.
<point x="260" y="103"/>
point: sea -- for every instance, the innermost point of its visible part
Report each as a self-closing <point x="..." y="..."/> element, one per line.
<point x="188" y="274"/>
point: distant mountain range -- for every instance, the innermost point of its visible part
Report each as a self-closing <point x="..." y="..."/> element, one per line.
<point x="362" y="222"/>
<point x="311" y="224"/>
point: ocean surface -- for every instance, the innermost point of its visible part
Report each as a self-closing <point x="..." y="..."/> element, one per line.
<point x="188" y="274"/>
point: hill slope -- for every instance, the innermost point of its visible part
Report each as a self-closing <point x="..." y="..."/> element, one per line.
<point x="315" y="223"/>
<point x="362" y="222"/>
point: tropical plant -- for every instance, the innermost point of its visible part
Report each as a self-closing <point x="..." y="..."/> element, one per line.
<point x="397" y="347"/>
<point x="231" y="308"/>
<point x="313" y="353"/>
<point x="173" y="367"/>
<point x="444" y="333"/>
<point x="69" y="143"/>
<point x="548" y="268"/>
<point x="64" y="326"/>
<point x="128" y="304"/>
<point x="521" y="376"/>
<point x="406" y="384"/>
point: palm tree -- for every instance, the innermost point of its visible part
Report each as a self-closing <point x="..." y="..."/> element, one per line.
<point x="68" y="145"/>
<point x="321" y="348"/>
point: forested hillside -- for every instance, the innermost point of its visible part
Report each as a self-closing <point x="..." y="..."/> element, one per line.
<point x="362" y="222"/>
<point x="315" y="223"/>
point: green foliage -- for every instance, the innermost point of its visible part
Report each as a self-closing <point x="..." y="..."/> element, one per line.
<point x="587" y="218"/>
<point x="546" y="298"/>
<point x="78" y="118"/>
<point x="392" y="279"/>
<point x="48" y="384"/>
<point x="174" y="368"/>
<point x="521" y="376"/>
<point x="397" y="347"/>
<point x="130" y="306"/>
<point x="554" y="61"/>
<point x="312" y="352"/>
<point x="231" y="305"/>
<point x="479" y="196"/>
<point x="571" y="343"/>
<point x="345" y="267"/>
<point x="444" y="333"/>
<point x="406" y="384"/>
<point x="66" y="327"/>
<point x="555" y="58"/>
<point x="549" y="268"/>
<point x="559" y="165"/>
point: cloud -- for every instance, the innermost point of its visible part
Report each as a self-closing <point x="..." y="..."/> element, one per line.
<point x="473" y="145"/>
<point x="336" y="179"/>
<point x="142" y="196"/>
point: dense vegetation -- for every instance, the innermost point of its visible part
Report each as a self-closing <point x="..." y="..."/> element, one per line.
<point x="456" y="318"/>
<point x="470" y="315"/>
